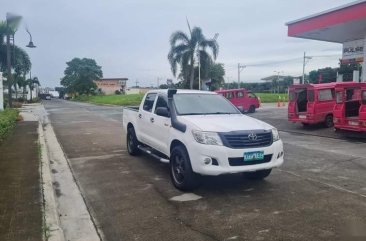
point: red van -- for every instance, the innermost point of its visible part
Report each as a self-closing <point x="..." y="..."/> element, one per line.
<point x="243" y="99"/>
<point x="350" y="109"/>
<point x="311" y="103"/>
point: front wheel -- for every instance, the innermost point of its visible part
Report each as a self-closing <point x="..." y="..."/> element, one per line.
<point x="329" y="121"/>
<point x="181" y="172"/>
<point x="132" y="142"/>
<point x="251" y="109"/>
<point x="258" y="175"/>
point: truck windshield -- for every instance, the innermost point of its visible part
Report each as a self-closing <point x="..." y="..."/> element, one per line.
<point x="203" y="104"/>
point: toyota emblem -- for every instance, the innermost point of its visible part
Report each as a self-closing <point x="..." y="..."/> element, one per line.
<point x="252" y="137"/>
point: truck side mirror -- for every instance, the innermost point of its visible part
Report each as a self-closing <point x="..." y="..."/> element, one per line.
<point x="162" y="111"/>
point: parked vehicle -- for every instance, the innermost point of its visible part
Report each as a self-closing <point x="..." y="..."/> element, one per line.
<point x="350" y="109"/>
<point x="243" y="99"/>
<point x="311" y="103"/>
<point x="201" y="133"/>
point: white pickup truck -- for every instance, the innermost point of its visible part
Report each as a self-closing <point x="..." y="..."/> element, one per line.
<point x="201" y="133"/>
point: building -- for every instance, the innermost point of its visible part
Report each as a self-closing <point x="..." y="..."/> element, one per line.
<point x="345" y="25"/>
<point x="110" y="86"/>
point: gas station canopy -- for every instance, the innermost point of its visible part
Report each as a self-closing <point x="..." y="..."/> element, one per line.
<point x="339" y="25"/>
<point x="345" y="25"/>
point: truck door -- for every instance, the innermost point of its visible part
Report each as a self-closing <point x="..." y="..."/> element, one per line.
<point x="363" y="108"/>
<point x="160" y="128"/>
<point x="145" y="119"/>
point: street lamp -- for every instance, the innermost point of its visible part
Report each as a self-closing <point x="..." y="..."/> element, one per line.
<point x="199" y="61"/>
<point x="303" y="67"/>
<point x="12" y="19"/>
<point x="278" y="80"/>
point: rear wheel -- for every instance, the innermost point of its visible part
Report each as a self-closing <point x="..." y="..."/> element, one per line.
<point x="132" y="142"/>
<point x="258" y="175"/>
<point x="251" y="109"/>
<point x="305" y="124"/>
<point x="181" y="172"/>
<point x="329" y="121"/>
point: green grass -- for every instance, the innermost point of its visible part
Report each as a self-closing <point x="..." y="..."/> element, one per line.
<point x="8" y="119"/>
<point x="270" y="97"/>
<point x="124" y="100"/>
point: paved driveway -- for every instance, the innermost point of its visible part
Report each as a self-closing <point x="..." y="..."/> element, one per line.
<point x="318" y="194"/>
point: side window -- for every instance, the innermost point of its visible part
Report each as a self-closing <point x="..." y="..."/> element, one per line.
<point x="149" y="102"/>
<point x="251" y="95"/>
<point x="229" y="95"/>
<point x="240" y="94"/>
<point x="339" y="97"/>
<point x="325" y="95"/>
<point x="161" y="102"/>
<point x="311" y="95"/>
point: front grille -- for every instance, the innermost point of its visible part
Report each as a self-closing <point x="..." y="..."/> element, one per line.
<point x="239" y="161"/>
<point x="241" y="139"/>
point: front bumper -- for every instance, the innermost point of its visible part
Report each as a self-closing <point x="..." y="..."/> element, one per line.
<point x="199" y="152"/>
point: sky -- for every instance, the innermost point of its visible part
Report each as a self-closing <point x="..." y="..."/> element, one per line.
<point x="130" y="38"/>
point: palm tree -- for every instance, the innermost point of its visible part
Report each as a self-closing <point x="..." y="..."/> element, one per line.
<point x="21" y="63"/>
<point x="183" y="49"/>
<point x="31" y="84"/>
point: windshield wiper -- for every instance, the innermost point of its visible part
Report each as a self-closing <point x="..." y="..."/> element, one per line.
<point x="219" y="113"/>
<point x="192" y="114"/>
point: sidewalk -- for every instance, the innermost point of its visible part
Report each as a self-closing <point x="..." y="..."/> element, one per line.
<point x="20" y="185"/>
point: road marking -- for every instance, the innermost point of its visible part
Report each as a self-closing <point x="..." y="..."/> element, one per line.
<point x="186" y="197"/>
<point x="324" y="183"/>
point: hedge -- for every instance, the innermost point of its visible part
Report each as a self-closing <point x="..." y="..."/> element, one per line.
<point x="8" y="119"/>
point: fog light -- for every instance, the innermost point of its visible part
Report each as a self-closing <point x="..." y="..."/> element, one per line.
<point x="207" y="161"/>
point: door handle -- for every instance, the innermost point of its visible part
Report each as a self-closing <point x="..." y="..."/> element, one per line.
<point x="140" y="116"/>
<point x="152" y="120"/>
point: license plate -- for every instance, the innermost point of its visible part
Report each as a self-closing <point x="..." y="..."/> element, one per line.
<point x="302" y="116"/>
<point x="254" y="156"/>
<point x="353" y="123"/>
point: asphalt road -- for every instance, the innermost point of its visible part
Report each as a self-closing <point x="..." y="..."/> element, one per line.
<point x="318" y="194"/>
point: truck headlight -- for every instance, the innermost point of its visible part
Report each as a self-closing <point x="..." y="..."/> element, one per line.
<point x="275" y="135"/>
<point x="208" y="138"/>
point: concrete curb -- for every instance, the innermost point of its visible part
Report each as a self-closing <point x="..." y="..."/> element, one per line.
<point x="66" y="216"/>
<point x="53" y="230"/>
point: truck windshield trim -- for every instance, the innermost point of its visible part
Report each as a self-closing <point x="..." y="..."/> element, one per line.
<point x="203" y="104"/>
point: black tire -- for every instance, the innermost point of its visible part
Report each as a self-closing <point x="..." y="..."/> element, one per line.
<point x="329" y="121"/>
<point x="258" y="175"/>
<point x="305" y="124"/>
<point x="251" y="109"/>
<point x="132" y="142"/>
<point x="181" y="173"/>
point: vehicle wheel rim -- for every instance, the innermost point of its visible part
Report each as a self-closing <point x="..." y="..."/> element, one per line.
<point x="130" y="142"/>
<point x="178" y="169"/>
<point x="329" y="122"/>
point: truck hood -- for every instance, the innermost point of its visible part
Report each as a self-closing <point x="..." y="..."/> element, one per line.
<point x="224" y="123"/>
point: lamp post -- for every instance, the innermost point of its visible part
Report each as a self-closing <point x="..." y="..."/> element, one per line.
<point x="12" y="19"/>
<point x="303" y="67"/>
<point x="199" y="61"/>
<point x="240" y="68"/>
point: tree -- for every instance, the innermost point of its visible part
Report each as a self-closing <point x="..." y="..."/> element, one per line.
<point x="184" y="48"/>
<point x="31" y="84"/>
<point x="216" y="73"/>
<point x="21" y="63"/>
<point x="80" y="75"/>
<point x="325" y="75"/>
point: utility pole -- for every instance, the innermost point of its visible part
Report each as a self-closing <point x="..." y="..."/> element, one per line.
<point x="240" y="67"/>
<point x="303" y="67"/>
<point x="8" y="61"/>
